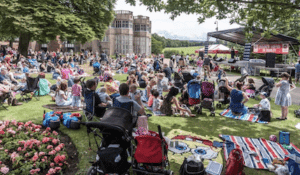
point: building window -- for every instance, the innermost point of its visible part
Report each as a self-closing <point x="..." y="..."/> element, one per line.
<point x="105" y="39"/>
<point x="125" y="24"/>
<point x="118" y="24"/>
<point x="143" y="27"/>
<point x="69" y="44"/>
<point x="136" y="28"/>
<point x="44" y="46"/>
<point x="130" y="25"/>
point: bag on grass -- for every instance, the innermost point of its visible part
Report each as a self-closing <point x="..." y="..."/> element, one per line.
<point x="52" y="120"/>
<point x="191" y="168"/>
<point x="235" y="163"/>
<point x="71" y="121"/>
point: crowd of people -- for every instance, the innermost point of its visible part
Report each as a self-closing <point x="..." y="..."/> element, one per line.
<point x="149" y="81"/>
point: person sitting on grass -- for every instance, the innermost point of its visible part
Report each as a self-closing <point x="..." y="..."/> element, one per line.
<point x="166" y="107"/>
<point x="264" y="104"/>
<point x="61" y="97"/>
<point x="156" y="102"/>
<point x="237" y="96"/>
<point x="104" y="97"/>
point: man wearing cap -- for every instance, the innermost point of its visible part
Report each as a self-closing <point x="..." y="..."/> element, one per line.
<point x="264" y="104"/>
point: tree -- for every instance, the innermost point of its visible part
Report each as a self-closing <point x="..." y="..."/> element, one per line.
<point x="257" y="13"/>
<point x="43" y="20"/>
<point x="156" y="46"/>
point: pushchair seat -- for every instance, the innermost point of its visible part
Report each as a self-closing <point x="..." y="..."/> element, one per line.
<point x="207" y="97"/>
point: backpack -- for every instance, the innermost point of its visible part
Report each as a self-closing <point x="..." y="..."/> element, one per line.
<point x="71" y="120"/>
<point x="156" y="65"/>
<point x="52" y="120"/>
<point x="235" y="163"/>
<point x="297" y="113"/>
<point x="81" y="71"/>
<point x="191" y="168"/>
<point x="194" y="89"/>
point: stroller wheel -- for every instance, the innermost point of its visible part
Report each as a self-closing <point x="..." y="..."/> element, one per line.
<point x="213" y="114"/>
<point x="199" y="111"/>
<point x="196" y="108"/>
<point x="92" y="171"/>
<point x="218" y="105"/>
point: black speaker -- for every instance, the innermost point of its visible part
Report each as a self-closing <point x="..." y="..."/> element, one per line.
<point x="201" y="54"/>
<point x="270" y="59"/>
<point x="232" y="60"/>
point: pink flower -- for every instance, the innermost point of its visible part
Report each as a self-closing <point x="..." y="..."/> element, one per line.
<point x="60" y="164"/>
<point x="57" y="149"/>
<point x="42" y="153"/>
<point x="27" y="154"/>
<point x="34" y="171"/>
<point x="55" y="133"/>
<point x="20" y="123"/>
<point x="0" y="141"/>
<point x="51" y="171"/>
<point x="48" y="129"/>
<point x="19" y="149"/>
<point x="52" y="152"/>
<point x="13" y="156"/>
<point x="0" y="162"/>
<point x="14" y="122"/>
<point x="57" y="169"/>
<point x="35" y="158"/>
<point x="4" y="170"/>
<point x="2" y="132"/>
<point x="54" y="141"/>
<point x="45" y="157"/>
<point x="43" y="160"/>
<point x="37" y="130"/>
<point x="6" y="150"/>
<point x="49" y="147"/>
<point x="45" y="140"/>
<point x="52" y="164"/>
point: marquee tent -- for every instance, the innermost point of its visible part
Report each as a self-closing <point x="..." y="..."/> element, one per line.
<point x="217" y="48"/>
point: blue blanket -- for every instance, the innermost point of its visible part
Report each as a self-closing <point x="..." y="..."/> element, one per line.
<point x="248" y="117"/>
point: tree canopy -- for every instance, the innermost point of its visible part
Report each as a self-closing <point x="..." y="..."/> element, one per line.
<point x="156" y="46"/>
<point x="43" y="20"/>
<point x="257" y="13"/>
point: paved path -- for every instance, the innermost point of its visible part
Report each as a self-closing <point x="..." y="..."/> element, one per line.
<point x="295" y="94"/>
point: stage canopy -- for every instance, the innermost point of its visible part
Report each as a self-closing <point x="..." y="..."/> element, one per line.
<point x="238" y="36"/>
<point x="216" y="48"/>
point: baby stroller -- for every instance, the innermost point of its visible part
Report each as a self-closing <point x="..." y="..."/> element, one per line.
<point x="194" y="91"/>
<point x="117" y="144"/>
<point x="97" y="68"/>
<point x="266" y="87"/>
<point x="178" y="80"/>
<point x="224" y="94"/>
<point x="207" y="97"/>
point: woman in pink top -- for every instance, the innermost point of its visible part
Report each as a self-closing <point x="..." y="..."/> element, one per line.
<point x="65" y="72"/>
<point x="76" y="92"/>
<point x="200" y="64"/>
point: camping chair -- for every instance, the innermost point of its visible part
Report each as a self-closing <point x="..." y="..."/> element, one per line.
<point x="3" y="97"/>
<point x="32" y="87"/>
<point x="125" y="105"/>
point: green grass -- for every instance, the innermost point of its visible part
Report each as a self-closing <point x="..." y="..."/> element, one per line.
<point x="202" y="125"/>
<point x="186" y="50"/>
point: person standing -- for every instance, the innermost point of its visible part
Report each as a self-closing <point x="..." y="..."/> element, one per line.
<point x="206" y="64"/>
<point x="283" y="96"/>
<point x="177" y="59"/>
<point x="171" y="64"/>
<point x="199" y="65"/>
<point x="103" y="59"/>
<point x="297" y="72"/>
<point x="232" y="52"/>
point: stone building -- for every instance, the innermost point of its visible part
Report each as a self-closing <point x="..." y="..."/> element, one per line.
<point x="127" y="34"/>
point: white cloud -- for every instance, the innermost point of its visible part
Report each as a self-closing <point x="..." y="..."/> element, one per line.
<point x="184" y="25"/>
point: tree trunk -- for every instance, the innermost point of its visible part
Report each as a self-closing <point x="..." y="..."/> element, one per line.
<point x="24" y="43"/>
<point x="11" y="43"/>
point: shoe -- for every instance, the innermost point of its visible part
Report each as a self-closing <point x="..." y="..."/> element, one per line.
<point x="278" y="118"/>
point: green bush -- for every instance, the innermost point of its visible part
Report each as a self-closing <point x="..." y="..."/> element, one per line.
<point x="169" y="53"/>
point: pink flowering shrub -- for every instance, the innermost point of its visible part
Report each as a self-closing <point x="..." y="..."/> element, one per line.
<point x="27" y="149"/>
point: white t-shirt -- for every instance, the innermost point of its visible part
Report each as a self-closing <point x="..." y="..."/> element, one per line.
<point x="265" y="104"/>
<point x="59" y="99"/>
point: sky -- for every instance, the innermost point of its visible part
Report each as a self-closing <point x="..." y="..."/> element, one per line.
<point x="184" y="26"/>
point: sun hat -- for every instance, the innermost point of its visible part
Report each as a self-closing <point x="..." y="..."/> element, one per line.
<point x="264" y="94"/>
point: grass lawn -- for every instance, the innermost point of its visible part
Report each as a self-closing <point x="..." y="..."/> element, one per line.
<point x="186" y="50"/>
<point x="202" y="125"/>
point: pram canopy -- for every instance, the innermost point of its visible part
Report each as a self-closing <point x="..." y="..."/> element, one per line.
<point x="207" y="89"/>
<point x="268" y="81"/>
<point x="187" y="77"/>
<point x="118" y="117"/>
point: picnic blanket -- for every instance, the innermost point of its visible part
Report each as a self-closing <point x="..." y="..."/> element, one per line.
<point x="248" y="117"/>
<point x="63" y="109"/>
<point x="264" y="149"/>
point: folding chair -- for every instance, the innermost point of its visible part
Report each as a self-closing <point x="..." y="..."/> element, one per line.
<point x="125" y="105"/>
<point x="3" y="97"/>
<point x="32" y="87"/>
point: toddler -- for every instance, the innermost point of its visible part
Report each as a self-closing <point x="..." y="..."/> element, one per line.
<point x="76" y="92"/>
<point x="156" y="101"/>
<point x="104" y="97"/>
<point x="205" y="75"/>
<point x="23" y="84"/>
<point x="264" y="104"/>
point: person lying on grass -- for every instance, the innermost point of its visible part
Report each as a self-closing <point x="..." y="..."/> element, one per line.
<point x="170" y="99"/>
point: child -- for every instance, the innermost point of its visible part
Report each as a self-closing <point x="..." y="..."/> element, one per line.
<point x="23" y="84"/>
<point x="156" y="101"/>
<point x="76" y="91"/>
<point x="151" y="98"/>
<point x="205" y="75"/>
<point x="195" y="74"/>
<point x="61" y="98"/>
<point x="104" y="97"/>
<point x="264" y="104"/>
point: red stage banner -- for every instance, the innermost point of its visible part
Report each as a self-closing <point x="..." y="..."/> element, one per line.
<point x="271" y="48"/>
